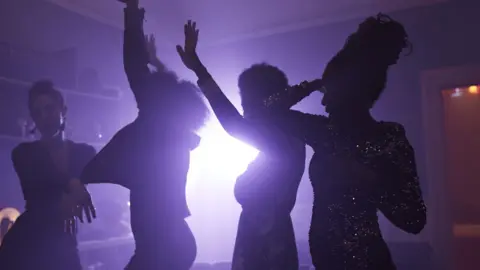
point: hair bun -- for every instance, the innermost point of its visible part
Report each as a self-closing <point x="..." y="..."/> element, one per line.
<point x="41" y="86"/>
<point x="383" y="18"/>
<point x="44" y="87"/>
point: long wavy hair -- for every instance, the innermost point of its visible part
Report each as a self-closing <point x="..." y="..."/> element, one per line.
<point x="364" y="60"/>
<point x="178" y="100"/>
<point x="259" y="82"/>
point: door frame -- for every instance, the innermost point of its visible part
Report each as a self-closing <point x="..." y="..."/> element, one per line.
<point x="440" y="223"/>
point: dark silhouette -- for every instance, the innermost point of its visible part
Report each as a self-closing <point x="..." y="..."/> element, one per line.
<point x="267" y="190"/>
<point x="43" y="237"/>
<point x="151" y="155"/>
<point x="360" y="165"/>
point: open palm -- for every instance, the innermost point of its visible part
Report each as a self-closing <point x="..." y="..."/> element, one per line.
<point x="188" y="53"/>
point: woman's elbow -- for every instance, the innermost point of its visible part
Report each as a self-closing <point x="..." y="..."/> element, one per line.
<point x="416" y="224"/>
<point x="89" y="174"/>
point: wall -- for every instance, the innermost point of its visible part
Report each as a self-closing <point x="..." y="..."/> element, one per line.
<point x="442" y="35"/>
<point x="44" y="26"/>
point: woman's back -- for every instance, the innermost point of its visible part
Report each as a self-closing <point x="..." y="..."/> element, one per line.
<point x="345" y="233"/>
<point x="273" y="177"/>
<point x="158" y="175"/>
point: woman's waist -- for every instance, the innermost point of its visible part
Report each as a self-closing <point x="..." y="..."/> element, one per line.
<point x="279" y="186"/>
<point x="342" y="230"/>
<point x="43" y="222"/>
<point x="46" y="206"/>
<point x="160" y="205"/>
<point x="266" y="200"/>
<point x="345" y="217"/>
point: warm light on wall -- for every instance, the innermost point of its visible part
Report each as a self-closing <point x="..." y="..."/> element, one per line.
<point x="459" y="91"/>
<point x="473" y="89"/>
<point x="10" y="214"/>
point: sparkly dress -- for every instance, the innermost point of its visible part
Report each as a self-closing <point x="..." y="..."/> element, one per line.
<point x="151" y="157"/>
<point x="266" y="191"/>
<point x="344" y="232"/>
<point x="37" y="240"/>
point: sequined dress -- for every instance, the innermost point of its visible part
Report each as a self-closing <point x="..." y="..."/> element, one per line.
<point x="344" y="232"/>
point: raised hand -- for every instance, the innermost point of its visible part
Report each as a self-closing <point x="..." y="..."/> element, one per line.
<point x="152" y="52"/>
<point x="151" y="48"/>
<point x="188" y="53"/>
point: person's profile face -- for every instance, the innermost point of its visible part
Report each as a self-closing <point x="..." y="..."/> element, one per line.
<point x="389" y="53"/>
<point x="47" y="114"/>
<point x="344" y="98"/>
<point x="338" y="96"/>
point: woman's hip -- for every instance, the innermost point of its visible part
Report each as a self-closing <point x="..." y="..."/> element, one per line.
<point x="166" y="242"/>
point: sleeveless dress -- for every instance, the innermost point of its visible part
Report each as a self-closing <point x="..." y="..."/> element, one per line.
<point x="37" y="239"/>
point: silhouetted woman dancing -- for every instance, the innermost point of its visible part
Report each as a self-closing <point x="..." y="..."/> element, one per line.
<point x="151" y="155"/>
<point x="360" y="165"/>
<point x="43" y="237"/>
<point x="267" y="190"/>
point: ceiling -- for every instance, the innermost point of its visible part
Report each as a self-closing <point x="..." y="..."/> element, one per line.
<point x="227" y="21"/>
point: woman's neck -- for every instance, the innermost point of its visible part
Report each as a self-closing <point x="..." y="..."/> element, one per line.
<point x="352" y="119"/>
<point x="57" y="139"/>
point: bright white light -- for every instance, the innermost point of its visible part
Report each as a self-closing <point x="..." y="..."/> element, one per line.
<point x="214" y="168"/>
<point x="457" y="92"/>
<point x="220" y="155"/>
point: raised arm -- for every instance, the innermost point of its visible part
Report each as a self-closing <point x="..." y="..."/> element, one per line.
<point x="293" y="94"/>
<point x="400" y="196"/>
<point x="310" y="128"/>
<point x="135" y="54"/>
<point x="257" y="135"/>
<point x="106" y="166"/>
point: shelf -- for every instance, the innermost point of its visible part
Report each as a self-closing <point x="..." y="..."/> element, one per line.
<point x="20" y="140"/>
<point x="112" y="242"/>
<point x="65" y="91"/>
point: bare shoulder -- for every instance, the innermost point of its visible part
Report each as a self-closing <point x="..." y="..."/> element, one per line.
<point x="393" y="128"/>
<point x="24" y="149"/>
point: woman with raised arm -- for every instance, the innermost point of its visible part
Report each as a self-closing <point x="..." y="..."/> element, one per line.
<point x="360" y="165"/>
<point x="151" y="156"/>
<point x="44" y="236"/>
<point x="267" y="190"/>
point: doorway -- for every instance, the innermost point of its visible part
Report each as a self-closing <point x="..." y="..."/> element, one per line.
<point x="461" y="109"/>
<point x="451" y="114"/>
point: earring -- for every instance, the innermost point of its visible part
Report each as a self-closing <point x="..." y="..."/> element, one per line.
<point x="62" y="125"/>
